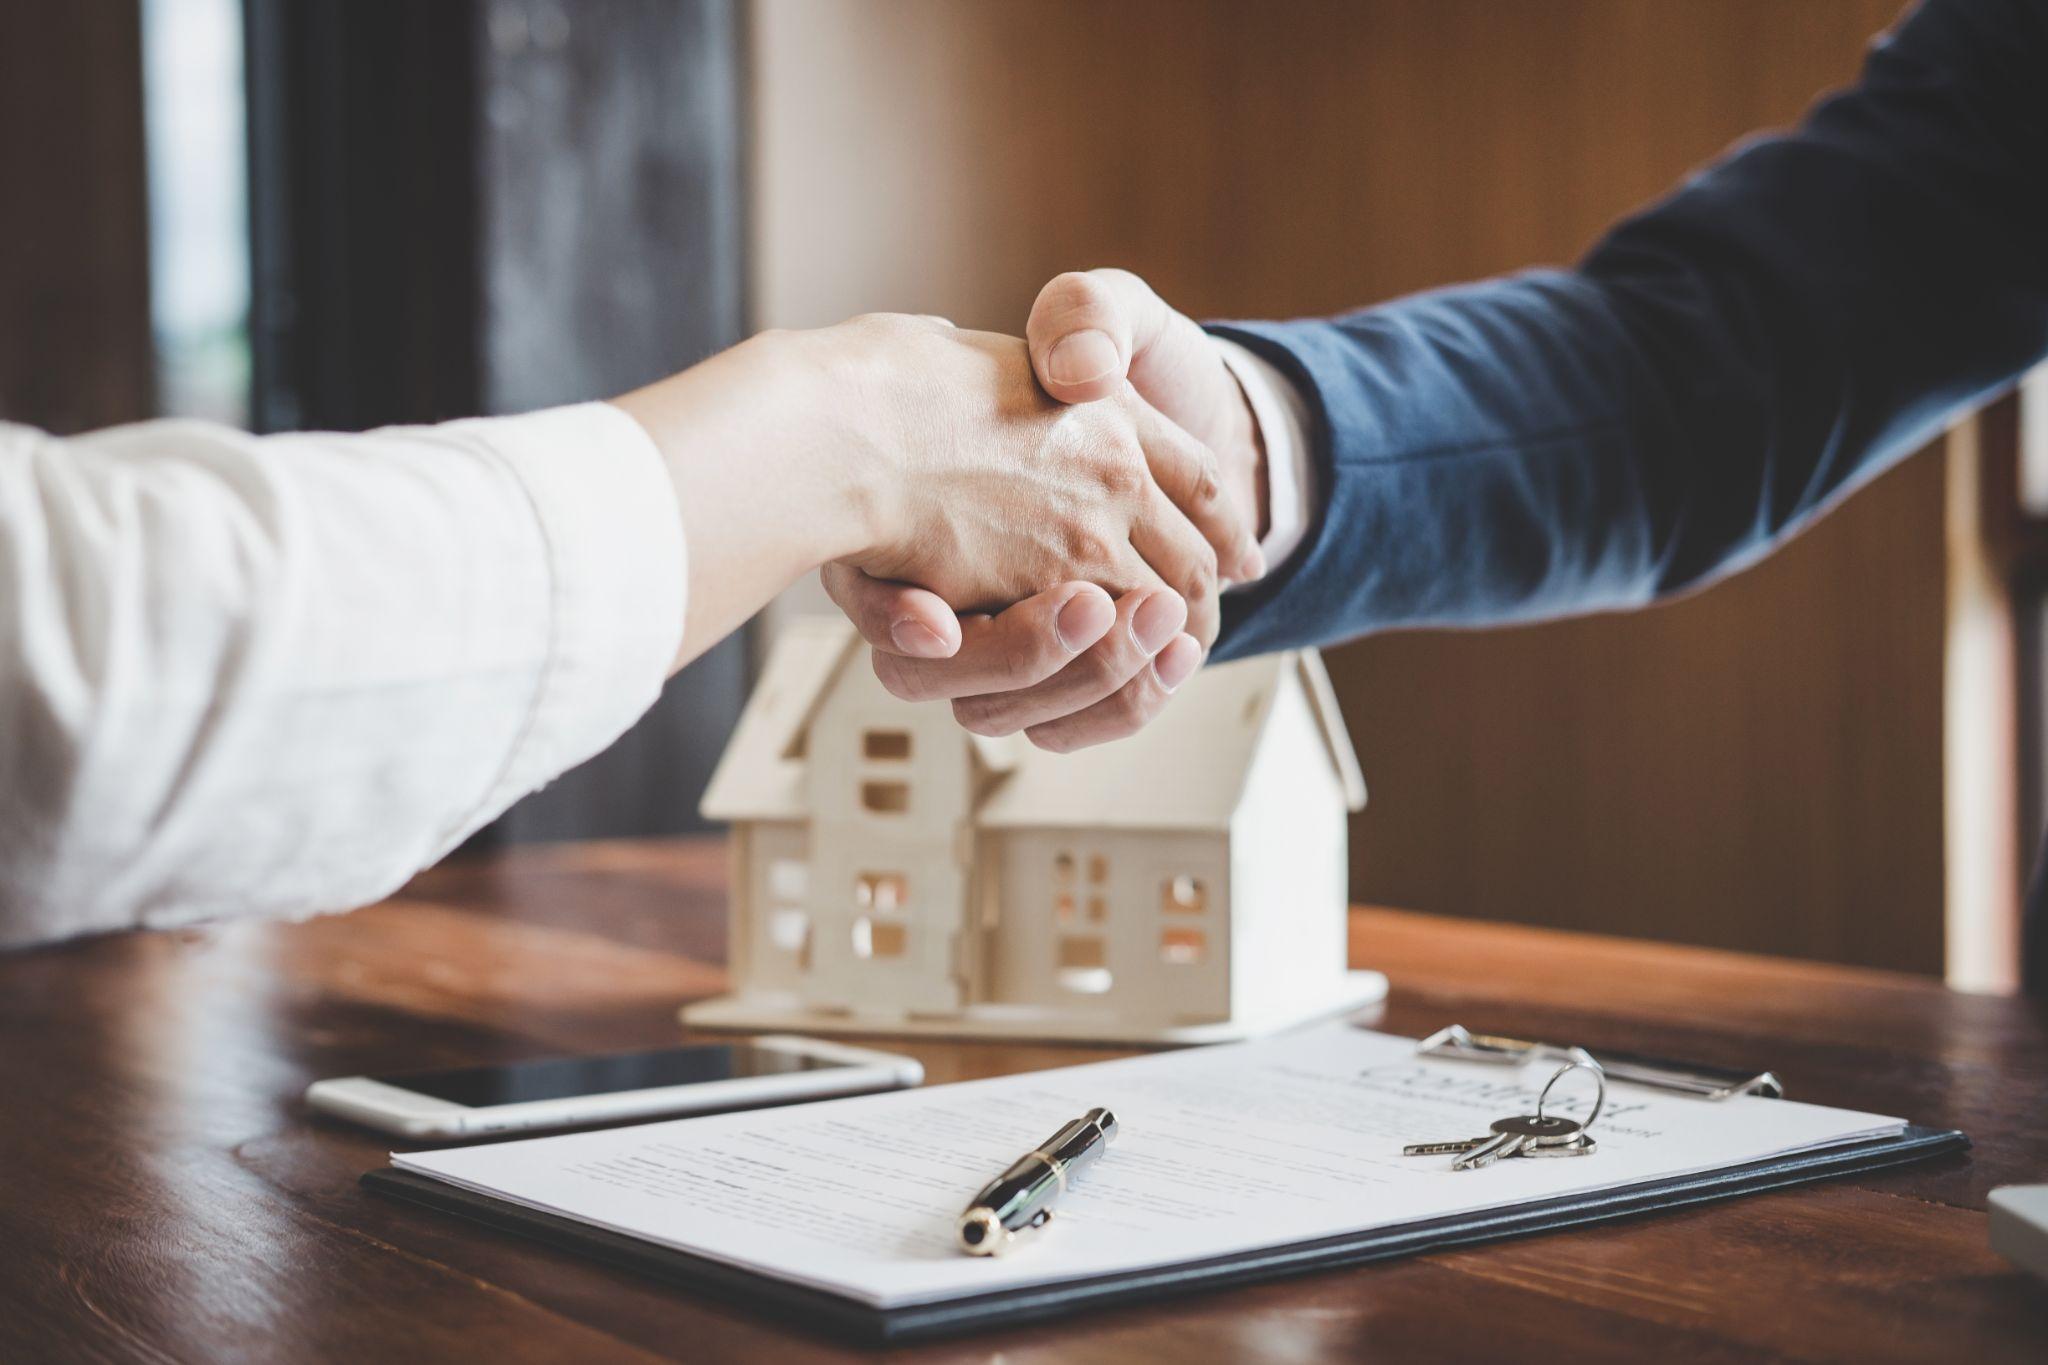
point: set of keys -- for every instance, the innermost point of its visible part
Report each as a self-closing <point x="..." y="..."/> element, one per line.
<point x="1537" y="1135"/>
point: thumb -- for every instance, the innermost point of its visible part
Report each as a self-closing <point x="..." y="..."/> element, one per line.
<point x="896" y="618"/>
<point x="1089" y="330"/>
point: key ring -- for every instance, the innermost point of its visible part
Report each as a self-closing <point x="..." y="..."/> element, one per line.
<point x="1581" y="1061"/>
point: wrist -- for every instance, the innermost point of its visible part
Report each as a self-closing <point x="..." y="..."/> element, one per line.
<point x="845" y="392"/>
<point x="763" y="424"/>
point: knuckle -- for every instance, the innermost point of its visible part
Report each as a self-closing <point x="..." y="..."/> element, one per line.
<point x="1131" y="708"/>
<point x="1078" y="291"/>
<point x="872" y="622"/>
<point x="1054" y="739"/>
<point x="1086" y="547"/>
<point x="889" y="328"/>
<point x="1021" y="659"/>
<point x="1128" y="279"/>
<point x="981" y="716"/>
<point x="1121" y="477"/>
<point x="1112" y="667"/>
<point x="1117" y="457"/>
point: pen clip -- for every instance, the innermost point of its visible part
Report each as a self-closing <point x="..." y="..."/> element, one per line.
<point x="1030" y="1230"/>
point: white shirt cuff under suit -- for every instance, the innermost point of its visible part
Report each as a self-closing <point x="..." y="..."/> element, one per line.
<point x="1291" y="475"/>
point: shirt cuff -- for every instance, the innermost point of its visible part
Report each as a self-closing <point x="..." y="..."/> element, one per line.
<point x="614" y="535"/>
<point x="1291" y="475"/>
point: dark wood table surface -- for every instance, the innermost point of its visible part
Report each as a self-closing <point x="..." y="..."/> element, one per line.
<point x="167" y="1196"/>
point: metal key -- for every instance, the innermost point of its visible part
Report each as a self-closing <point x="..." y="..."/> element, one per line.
<point x="1582" y="1145"/>
<point x="1512" y="1136"/>
<point x="1537" y="1134"/>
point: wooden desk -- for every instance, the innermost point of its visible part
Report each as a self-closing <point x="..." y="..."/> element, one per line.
<point x="166" y="1197"/>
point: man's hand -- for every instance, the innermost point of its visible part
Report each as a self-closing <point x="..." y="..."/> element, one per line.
<point x="1071" y="682"/>
<point x="1091" y="331"/>
<point x="996" y="490"/>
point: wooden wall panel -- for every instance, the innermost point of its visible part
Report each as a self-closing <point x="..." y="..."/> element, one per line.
<point x="74" y="252"/>
<point x="1759" y="766"/>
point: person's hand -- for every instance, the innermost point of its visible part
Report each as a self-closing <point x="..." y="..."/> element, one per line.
<point x="909" y="450"/>
<point x="993" y="490"/>
<point x="1060" y="680"/>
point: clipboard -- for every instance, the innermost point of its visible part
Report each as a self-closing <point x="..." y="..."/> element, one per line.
<point x="1660" y="1073"/>
<point x="846" y="1318"/>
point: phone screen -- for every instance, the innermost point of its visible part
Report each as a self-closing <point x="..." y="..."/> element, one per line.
<point x="482" y="1087"/>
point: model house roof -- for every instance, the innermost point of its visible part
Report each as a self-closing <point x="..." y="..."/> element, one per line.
<point x="1186" y="770"/>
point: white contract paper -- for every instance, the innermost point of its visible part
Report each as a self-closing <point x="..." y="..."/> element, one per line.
<point x="1222" y="1150"/>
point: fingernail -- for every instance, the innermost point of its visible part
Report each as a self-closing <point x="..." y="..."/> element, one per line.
<point x="1157" y="620"/>
<point x="1252" y="566"/>
<point x="918" y="640"/>
<point x="1080" y="357"/>
<point x="1085" y="618"/>
<point x="1177" y="662"/>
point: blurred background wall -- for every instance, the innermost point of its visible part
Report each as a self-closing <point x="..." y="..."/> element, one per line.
<point x="1759" y="767"/>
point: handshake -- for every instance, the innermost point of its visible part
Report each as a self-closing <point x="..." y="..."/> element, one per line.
<point x="1036" y="530"/>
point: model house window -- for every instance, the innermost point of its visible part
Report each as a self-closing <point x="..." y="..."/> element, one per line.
<point x="1182" y="946"/>
<point x="789" y="880"/>
<point x="885" y="746"/>
<point x="790" y="930"/>
<point x="1083" y="964"/>
<point x="879" y="938"/>
<point x="885" y="798"/>
<point x="884" y="891"/>
<point x="1184" y="896"/>
<point x="1064" y="906"/>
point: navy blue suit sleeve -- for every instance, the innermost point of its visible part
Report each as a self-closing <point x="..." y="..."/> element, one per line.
<point x="1714" y="374"/>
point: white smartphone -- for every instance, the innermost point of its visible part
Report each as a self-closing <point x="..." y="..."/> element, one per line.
<point x="566" y="1091"/>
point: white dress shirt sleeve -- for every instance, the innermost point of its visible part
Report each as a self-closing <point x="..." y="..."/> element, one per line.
<point x="248" y="675"/>
<point x="1291" y="475"/>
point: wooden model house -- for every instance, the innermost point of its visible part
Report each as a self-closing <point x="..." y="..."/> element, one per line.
<point x="894" y="873"/>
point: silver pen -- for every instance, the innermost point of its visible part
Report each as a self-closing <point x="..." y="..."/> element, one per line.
<point x="1018" y="1203"/>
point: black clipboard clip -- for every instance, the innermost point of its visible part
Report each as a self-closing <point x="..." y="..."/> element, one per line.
<point x="1662" y="1073"/>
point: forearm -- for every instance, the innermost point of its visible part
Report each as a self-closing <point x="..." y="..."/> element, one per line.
<point x="1474" y="467"/>
<point x="1713" y="376"/>
<point x="771" y="480"/>
<point x="276" y="675"/>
